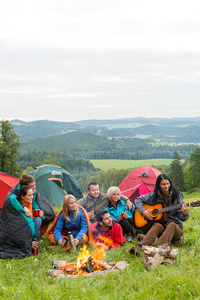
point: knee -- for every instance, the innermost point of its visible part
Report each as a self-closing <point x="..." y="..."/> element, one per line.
<point x="171" y="225"/>
<point x="158" y="226"/>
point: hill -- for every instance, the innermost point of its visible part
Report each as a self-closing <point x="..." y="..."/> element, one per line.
<point x="176" y="130"/>
<point x="91" y="146"/>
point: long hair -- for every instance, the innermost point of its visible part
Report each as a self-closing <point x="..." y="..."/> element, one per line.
<point x="66" y="208"/>
<point x="172" y="189"/>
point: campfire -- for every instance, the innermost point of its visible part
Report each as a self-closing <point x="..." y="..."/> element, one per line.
<point x="86" y="263"/>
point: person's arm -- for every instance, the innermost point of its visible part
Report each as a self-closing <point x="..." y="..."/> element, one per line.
<point x="118" y="236"/>
<point x="128" y="202"/>
<point x="42" y="204"/>
<point x="58" y="228"/>
<point x="139" y="202"/>
<point x="83" y="226"/>
<point x="183" y="212"/>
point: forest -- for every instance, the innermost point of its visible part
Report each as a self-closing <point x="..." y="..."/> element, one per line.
<point x="73" y="150"/>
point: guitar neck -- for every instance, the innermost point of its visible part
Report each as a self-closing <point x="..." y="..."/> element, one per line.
<point x="170" y="208"/>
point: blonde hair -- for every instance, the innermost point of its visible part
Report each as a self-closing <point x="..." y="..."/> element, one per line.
<point x="66" y="208"/>
<point x="111" y="191"/>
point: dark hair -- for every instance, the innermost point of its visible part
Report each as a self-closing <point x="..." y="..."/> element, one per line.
<point x="100" y="214"/>
<point x="26" y="179"/>
<point x="172" y="188"/>
<point x="91" y="183"/>
<point x="23" y="191"/>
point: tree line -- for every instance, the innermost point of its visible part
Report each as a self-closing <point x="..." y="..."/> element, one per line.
<point x="185" y="176"/>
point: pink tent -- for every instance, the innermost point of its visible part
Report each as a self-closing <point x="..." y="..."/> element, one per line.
<point x="140" y="181"/>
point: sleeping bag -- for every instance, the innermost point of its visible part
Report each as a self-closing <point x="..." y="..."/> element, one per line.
<point x="16" y="229"/>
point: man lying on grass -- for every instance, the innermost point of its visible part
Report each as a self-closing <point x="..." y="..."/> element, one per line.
<point x="106" y="232"/>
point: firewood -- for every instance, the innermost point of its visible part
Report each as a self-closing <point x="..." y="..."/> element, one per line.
<point x="163" y="254"/>
<point x="163" y="250"/>
<point x="102" y="264"/>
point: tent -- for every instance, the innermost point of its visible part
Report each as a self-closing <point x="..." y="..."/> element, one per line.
<point x="140" y="181"/>
<point x="7" y="182"/>
<point x="54" y="182"/>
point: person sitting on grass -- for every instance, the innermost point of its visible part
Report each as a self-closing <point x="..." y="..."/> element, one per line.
<point x="106" y="232"/>
<point x="72" y="218"/>
<point x="38" y="202"/>
<point x="119" y="212"/>
<point x="170" y="232"/>
<point x="19" y="232"/>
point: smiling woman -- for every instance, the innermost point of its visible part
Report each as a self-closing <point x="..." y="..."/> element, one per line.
<point x="168" y="230"/>
<point x="72" y="219"/>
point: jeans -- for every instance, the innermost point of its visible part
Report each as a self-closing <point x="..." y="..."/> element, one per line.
<point x="37" y="221"/>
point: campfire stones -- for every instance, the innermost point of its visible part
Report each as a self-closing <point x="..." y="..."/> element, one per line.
<point x="59" y="263"/>
<point x="64" y="272"/>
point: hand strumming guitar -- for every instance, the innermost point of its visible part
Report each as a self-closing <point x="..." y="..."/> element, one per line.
<point x="146" y="215"/>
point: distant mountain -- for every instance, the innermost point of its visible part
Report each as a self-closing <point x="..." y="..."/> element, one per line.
<point x="177" y="130"/>
<point x="38" y="129"/>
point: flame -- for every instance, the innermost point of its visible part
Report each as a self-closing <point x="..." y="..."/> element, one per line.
<point x="106" y="240"/>
<point x="83" y="256"/>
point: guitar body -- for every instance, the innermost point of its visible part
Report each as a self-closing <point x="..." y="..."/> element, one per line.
<point x="143" y="224"/>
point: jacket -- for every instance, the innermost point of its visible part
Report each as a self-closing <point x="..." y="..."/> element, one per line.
<point x="78" y="226"/>
<point x="90" y="205"/>
<point x="176" y="216"/>
<point x="115" y="234"/>
<point x="121" y="207"/>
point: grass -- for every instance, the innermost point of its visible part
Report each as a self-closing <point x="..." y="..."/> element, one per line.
<point x="106" y="164"/>
<point x="29" y="279"/>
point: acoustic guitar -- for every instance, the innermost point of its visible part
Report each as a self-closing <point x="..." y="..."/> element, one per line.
<point x="159" y="211"/>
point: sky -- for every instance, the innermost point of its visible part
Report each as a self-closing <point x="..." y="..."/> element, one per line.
<point x="75" y="60"/>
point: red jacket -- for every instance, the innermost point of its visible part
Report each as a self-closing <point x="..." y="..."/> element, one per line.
<point x="115" y="234"/>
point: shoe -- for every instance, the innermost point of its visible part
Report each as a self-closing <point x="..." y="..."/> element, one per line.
<point x="179" y="242"/>
<point x="140" y="236"/>
<point x="135" y="251"/>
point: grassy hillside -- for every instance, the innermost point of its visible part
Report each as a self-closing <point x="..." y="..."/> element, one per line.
<point x="29" y="279"/>
<point x="92" y="146"/>
<point x="106" y="164"/>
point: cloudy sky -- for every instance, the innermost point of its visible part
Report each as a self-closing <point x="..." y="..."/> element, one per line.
<point x="99" y="59"/>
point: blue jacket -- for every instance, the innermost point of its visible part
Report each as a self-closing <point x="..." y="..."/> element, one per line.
<point x="121" y="207"/>
<point x="78" y="226"/>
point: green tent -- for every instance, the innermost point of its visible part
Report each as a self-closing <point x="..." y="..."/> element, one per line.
<point x="54" y="182"/>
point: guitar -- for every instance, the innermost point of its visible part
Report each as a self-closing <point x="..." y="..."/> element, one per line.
<point x="159" y="212"/>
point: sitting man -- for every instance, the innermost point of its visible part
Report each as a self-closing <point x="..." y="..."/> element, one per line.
<point x="107" y="233"/>
<point x="95" y="201"/>
<point x="17" y="231"/>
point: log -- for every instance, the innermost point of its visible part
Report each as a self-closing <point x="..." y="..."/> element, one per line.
<point x="163" y="250"/>
<point x="102" y="264"/>
<point x="163" y="254"/>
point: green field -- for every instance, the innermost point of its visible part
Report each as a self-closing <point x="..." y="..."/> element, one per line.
<point x="28" y="279"/>
<point x="106" y="164"/>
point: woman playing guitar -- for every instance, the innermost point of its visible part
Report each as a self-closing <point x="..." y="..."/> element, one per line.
<point x="172" y="230"/>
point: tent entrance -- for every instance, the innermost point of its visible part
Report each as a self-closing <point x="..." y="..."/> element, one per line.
<point x="58" y="182"/>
